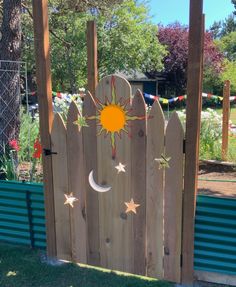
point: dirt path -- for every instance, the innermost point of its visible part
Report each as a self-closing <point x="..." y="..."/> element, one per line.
<point x="222" y="180"/>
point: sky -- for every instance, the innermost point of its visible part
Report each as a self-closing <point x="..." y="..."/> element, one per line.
<point x="169" y="11"/>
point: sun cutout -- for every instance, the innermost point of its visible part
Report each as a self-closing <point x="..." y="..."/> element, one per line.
<point x="113" y="116"/>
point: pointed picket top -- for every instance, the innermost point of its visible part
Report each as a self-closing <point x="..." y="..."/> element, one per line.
<point x="90" y="154"/>
<point x="157" y="112"/>
<point x="58" y="123"/>
<point x="138" y="180"/>
<point x="89" y="104"/>
<point x="73" y="113"/>
<point x="154" y="201"/>
<point x="138" y="100"/>
<point x="173" y="198"/>
<point x="175" y="121"/>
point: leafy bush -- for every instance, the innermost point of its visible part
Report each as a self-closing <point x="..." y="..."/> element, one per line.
<point x="21" y="159"/>
<point x="61" y="105"/>
<point x="29" y="132"/>
<point x="210" y="134"/>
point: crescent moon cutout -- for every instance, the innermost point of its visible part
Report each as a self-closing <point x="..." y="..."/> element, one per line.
<point x="95" y="186"/>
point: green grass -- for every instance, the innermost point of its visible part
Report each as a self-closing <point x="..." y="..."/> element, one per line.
<point x="21" y="267"/>
<point x="232" y="113"/>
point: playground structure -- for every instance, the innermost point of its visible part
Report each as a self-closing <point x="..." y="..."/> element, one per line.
<point x="115" y="256"/>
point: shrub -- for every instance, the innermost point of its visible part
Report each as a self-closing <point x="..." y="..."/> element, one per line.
<point x="210" y="133"/>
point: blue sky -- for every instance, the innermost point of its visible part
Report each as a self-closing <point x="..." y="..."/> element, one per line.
<point x="169" y="11"/>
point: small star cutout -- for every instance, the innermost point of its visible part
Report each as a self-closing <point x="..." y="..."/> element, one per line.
<point x="70" y="199"/>
<point x="120" y="167"/>
<point x="81" y="122"/>
<point x="163" y="161"/>
<point x="131" y="206"/>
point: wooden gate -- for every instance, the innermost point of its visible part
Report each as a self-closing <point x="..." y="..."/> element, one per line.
<point x="98" y="230"/>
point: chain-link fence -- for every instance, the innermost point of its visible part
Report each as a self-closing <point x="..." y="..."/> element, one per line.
<point x="13" y="80"/>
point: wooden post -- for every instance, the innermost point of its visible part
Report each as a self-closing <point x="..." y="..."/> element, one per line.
<point x="44" y="92"/>
<point x="193" y="116"/>
<point x="90" y="140"/>
<point x="225" y="119"/>
<point x="92" y="56"/>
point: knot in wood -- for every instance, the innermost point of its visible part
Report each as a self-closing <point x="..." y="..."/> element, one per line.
<point x="123" y="215"/>
<point x="141" y="133"/>
<point x="166" y="251"/>
<point x="84" y="213"/>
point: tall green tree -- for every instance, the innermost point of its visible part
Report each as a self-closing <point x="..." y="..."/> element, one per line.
<point x="126" y="42"/>
<point x="227" y="45"/>
<point x="11" y="48"/>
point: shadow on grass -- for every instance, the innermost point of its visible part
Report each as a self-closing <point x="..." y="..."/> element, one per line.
<point x="21" y="267"/>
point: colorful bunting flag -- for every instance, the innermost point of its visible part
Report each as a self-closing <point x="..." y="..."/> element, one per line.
<point x="181" y="98"/>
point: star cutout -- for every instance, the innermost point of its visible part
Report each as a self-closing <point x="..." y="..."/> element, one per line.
<point x="70" y="199"/>
<point x="81" y="122"/>
<point x="163" y="161"/>
<point x="120" y="167"/>
<point x="131" y="206"/>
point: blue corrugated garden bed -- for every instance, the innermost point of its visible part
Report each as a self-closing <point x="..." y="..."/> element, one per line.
<point x="215" y="235"/>
<point x="22" y="221"/>
<point x="22" y="214"/>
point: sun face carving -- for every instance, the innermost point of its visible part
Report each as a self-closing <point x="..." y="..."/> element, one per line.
<point x="113" y="116"/>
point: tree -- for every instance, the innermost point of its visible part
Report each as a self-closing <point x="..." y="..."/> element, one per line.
<point x="10" y="50"/>
<point x="229" y="73"/>
<point x="227" y="45"/>
<point x="222" y="28"/>
<point x="126" y="41"/>
<point x="175" y="37"/>
<point x="234" y="3"/>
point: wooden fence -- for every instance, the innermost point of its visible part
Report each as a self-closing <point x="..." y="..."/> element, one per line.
<point x="98" y="230"/>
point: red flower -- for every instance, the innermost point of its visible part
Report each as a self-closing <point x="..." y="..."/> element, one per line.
<point x="37" y="149"/>
<point x="14" y="145"/>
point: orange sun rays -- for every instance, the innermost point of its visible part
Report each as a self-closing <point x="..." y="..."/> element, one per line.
<point x="113" y="116"/>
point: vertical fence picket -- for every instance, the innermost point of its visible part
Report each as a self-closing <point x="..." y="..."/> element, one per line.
<point x="60" y="182"/>
<point x="138" y="181"/>
<point x="154" y="201"/>
<point x="90" y="163"/>
<point x="76" y="185"/>
<point x="98" y="230"/>
<point x="115" y="225"/>
<point x="173" y="199"/>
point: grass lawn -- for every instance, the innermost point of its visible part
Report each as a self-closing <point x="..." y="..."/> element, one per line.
<point x="232" y="113"/>
<point x="21" y="267"/>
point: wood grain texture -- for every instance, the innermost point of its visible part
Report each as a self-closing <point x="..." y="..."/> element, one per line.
<point x="44" y="94"/>
<point x="225" y="119"/>
<point x="173" y="199"/>
<point x="193" y="113"/>
<point x="154" y="201"/>
<point x="76" y="185"/>
<point x="60" y="180"/>
<point x="115" y="226"/>
<point x="138" y="182"/>
<point x="92" y="206"/>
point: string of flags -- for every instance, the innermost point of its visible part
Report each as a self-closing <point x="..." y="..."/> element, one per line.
<point x="59" y="94"/>
<point x="147" y="96"/>
<point x="181" y="98"/>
